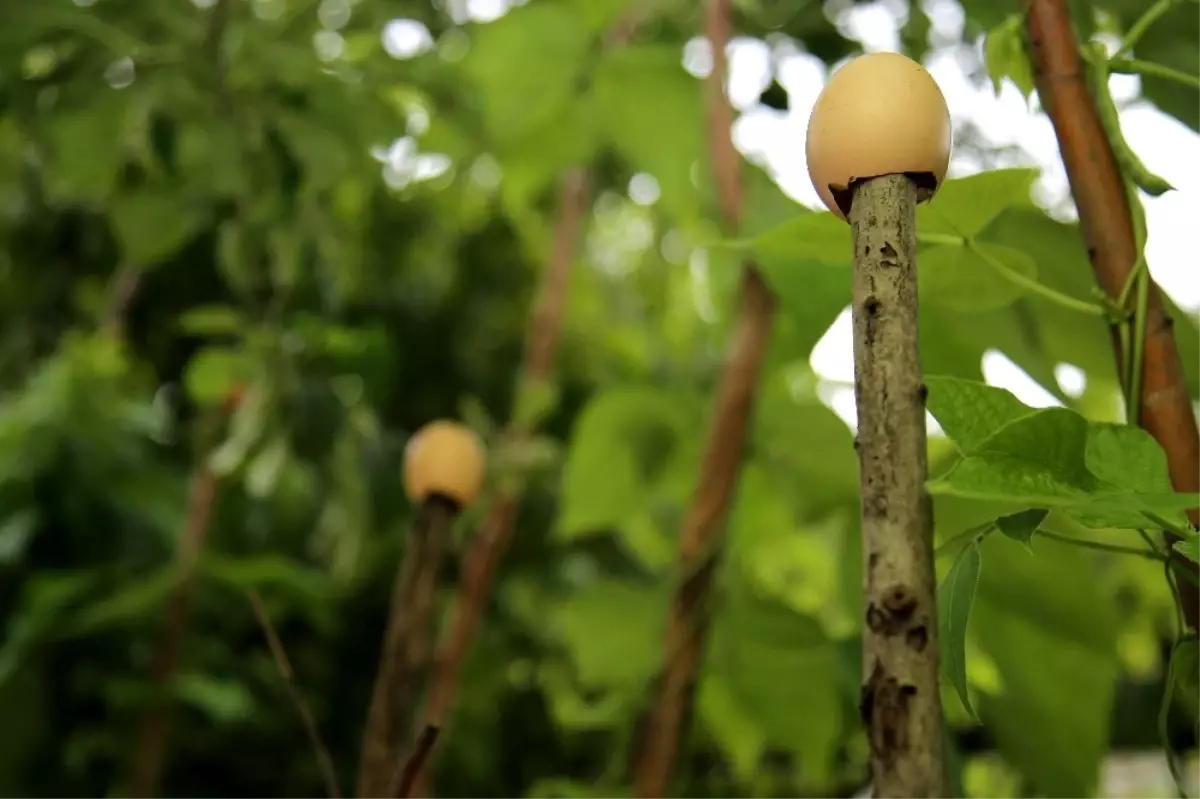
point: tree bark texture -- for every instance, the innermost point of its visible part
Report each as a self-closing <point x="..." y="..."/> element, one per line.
<point x="900" y="702"/>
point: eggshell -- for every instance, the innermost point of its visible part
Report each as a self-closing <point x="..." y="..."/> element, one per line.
<point x="879" y="114"/>
<point x="445" y="458"/>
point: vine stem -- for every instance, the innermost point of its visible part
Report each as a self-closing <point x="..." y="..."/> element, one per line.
<point x="1149" y="69"/>
<point x="701" y="535"/>
<point x="1106" y="221"/>
<point x="900" y="702"/>
<point x="1135" y="33"/>
<point x="1149" y="554"/>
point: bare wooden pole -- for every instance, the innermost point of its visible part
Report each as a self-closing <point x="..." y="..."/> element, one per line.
<point x="900" y="703"/>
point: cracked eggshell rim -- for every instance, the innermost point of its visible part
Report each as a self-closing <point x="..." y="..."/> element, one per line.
<point x="446" y="458"/>
<point x="879" y="114"/>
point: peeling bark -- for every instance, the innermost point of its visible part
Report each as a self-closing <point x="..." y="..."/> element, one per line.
<point x="900" y="702"/>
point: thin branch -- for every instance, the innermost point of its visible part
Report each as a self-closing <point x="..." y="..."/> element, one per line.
<point x="483" y="557"/>
<point x="154" y="728"/>
<point x="1106" y="222"/>
<point x="1102" y="546"/>
<point x="405" y="646"/>
<point x="324" y="761"/>
<point x="701" y="536"/>
<point x="406" y="775"/>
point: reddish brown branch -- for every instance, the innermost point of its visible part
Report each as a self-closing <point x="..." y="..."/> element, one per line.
<point x="687" y="622"/>
<point x="487" y="549"/>
<point x="1107" y="225"/>
<point x="405" y="645"/>
<point x="406" y="775"/>
<point x="324" y="761"/>
<point x="154" y="728"/>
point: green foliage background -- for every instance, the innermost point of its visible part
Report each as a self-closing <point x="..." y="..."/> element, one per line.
<point x="234" y="169"/>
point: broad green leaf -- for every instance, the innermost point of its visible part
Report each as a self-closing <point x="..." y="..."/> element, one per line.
<point x="213" y="372"/>
<point x="85" y="149"/>
<point x="1049" y="625"/>
<point x="965" y="206"/>
<point x="605" y="474"/>
<point x="152" y="224"/>
<point x="1190" y="548"/>
<point x="651" y="111"/>
<point x="774" y="660"/>
<point x="735" y="730"/>
<point x="1006" y="57"/>
<point x="1127" y="457"/>
<point x="955" y="597"/>
<point x="614" y="632"/>
<point x="970" y="411"/>
<point x="807" y="237"/>
<point x="962" y="278"/>
<point x="526" y="65"/>
<point x="1021" y="526"/>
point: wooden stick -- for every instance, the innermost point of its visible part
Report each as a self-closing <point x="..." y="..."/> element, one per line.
<point x="404" y="645"/>
<point x="900" y="702"/>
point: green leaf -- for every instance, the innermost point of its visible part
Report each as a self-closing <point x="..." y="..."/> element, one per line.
<point x="213" y="371"/>
<point x="1128" y="457"/>
<point x="1005" y="56"/>
<point x="962" y="278"/>
<point x="965" y="206"/>
<point x="970" y="411"/>
<point x="807" y="237"/>
<point x="734" y="729"/>
<point x="955" y="596"/>
<point x="605" y="474"/>
<point x="526" y="65"/>
<point x="613" y="632"/>
<point x="15" y="533"/>
<point x="1181" y="680"/>
<point x="1021" y="526"/>
<point x="1189" y="548"/>
<point x="323" y="153"/>
<point x="223" y="701"/>
<point x="212" y="320"/>
<point x="774" y="660"/>
<point x="652" y="112"/>
<point x="139" y="599"/>
<point x="152" y="224"/>
<point x="1049" y="626"/>
<point x="85" y="149"/>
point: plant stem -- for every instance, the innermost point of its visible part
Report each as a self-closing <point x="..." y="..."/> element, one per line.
<point x="701" y="535"/>
<point x="284" y="665"/>
<point x="978" y="532"/>
<point x="1106" y="221"/>
<point x="901" y="703"/>
<point x="405" y="646"/>
<point x="153" y="732"/>
<point x="1149" y="69"/>
<point x="1135" y="33"/>
<point x="1100" y="545"/>
<point x="1033" y="286"/>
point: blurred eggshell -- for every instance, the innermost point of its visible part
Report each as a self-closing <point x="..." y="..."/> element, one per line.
<point x="447" y="459"/>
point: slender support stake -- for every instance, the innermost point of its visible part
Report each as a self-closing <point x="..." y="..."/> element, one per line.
<point x="900" y="703"/>
<point x="405" y="646"/>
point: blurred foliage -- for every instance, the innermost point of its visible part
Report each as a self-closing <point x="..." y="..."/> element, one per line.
<point x="341" y="209"/>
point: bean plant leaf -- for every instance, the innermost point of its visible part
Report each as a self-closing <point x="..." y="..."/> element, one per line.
<point x="965" y="206"/>
<point x="1005" y="56"/>
<point x="970" y="411"/>
<point x="963" y="278"/>
<point x="1189" y="548"/>
<point x="1021" y="526"/>
<point x="1128" y="457"/>
<point x="955" y="596"/>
